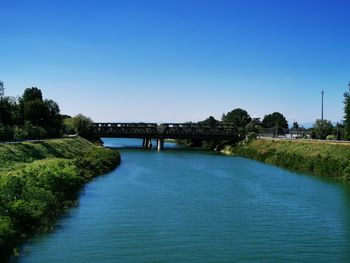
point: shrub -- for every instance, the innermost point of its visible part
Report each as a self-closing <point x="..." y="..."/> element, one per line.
<point x="28" y="131"/>
<point x="32" y="199"/>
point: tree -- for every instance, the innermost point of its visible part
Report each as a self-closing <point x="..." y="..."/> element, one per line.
<point x="8" y="111"/>
<point x="254" y="125"/>
<point x="68" y="125"/>
<point x="82" y="125"/>
<point x="52" y="120"/>
<point x="31" y="106"/>
<point x="2" y="89"/>
<point x="323" y="128"/>
<point x="31" y="94"/>
<point x="34" y="111"/>
<point x="274" y="120"/>
<point x="296" y="125"/>
<point x="237" y="117"/>
<point x="347" y="113"/>
<point x="211" y="121"/>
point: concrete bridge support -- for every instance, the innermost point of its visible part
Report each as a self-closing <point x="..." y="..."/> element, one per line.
<point x="160" y="144"/>
<point x="147" y="143"/>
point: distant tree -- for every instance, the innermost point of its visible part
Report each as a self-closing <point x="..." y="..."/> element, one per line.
<point x="2" y="89"/>
<point x="82" y="125"/>
<point x="34" y="111"/>
<point x="211" y="121"/>
<point x="254" y="125"/>
<point x="296" y="125"/>
<point x="339" y="131"/>
<point x="275" y="119"/>
<point x="31" y="106"/>
<point x="68" y="125"/>
<point x="31" y="94"/>
<point x="237" y="117"/>
<point x="8" y="111"/>
<point x="8" y="108"/>
<point x="347" y="114"/>
<point x="323" y="128"/>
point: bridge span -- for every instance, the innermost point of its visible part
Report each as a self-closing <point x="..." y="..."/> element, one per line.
<point x="149" y="131"/>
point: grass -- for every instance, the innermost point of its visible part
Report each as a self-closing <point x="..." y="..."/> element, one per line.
<point x="15" y="155"/>
<point x="39" y="181"/>
<point x="313" y="157"/>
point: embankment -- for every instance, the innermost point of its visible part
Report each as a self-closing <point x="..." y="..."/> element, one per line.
<point x="39" y="181"/>
<point x="317" y="158"/>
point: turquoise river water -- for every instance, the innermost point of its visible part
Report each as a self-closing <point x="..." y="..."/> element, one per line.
<point x="192" y="206"/>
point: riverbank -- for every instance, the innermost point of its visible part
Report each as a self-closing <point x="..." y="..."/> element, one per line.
<point x="39" y="181"/>
<point x="317" y="158"/>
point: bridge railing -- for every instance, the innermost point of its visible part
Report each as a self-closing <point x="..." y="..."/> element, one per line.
<point x="164" y="130"/>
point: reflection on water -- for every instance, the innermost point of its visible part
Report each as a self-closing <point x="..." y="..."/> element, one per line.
<point x="193" y="206"/>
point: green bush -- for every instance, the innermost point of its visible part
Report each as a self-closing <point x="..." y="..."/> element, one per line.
<point x="28" y="131"/>
<point x="331" y="137"/>
<point x="31" y="199"/>
<point x="318" y="158"/>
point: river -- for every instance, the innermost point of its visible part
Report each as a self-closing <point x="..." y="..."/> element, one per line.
<point x="183" y="205"/>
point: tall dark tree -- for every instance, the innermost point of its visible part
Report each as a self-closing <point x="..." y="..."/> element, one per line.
<point x="31" y="94"/>
<point x="2" y="89"/>
<point x="296" y="125"/>
<point x="274" y="120"/>
<point x="254" y="125"/>
<point x="8" y="111"/>
<point x="31" y="106"/>
<point x="237" y="117"/>
<point x="347" y="113"/>
<point x="211" y="121"/>
<point x="8" y="107"/>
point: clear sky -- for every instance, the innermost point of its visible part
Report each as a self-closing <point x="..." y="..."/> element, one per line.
<point x="179" y="60"/>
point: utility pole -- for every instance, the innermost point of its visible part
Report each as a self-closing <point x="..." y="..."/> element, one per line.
<point x="322" y="92"/>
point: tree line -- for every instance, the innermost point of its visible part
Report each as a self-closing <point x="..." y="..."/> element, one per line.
<point x="276" y="124"/>
<point x="31" y="116"/>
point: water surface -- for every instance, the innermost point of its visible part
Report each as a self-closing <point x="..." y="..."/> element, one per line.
<point x="193" y="206"/>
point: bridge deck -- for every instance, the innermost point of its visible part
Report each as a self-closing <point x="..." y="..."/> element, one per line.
<point x="164" y="131"/>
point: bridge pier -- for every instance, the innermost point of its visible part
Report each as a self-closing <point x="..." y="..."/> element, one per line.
<point x="160" y="144"/>
<point x="147" y="143"/>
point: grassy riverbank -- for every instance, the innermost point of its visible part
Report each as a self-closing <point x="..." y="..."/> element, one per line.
<point x="38" y="181"/>
<point x="318" y="158"/>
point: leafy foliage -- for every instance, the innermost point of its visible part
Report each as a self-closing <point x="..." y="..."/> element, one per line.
<point x="237" y="117"/>
<point x="275" y="119"/>
<point x="347" y="113"/>
<point x="29" y="131"/>
<point x="211" y="121"/>
<point x="2" y="89"/>
<point x="323" y="128"/>
<point x="33" y="196"/>
<point x="30" y="111"/>
<point x="318" y="158"/>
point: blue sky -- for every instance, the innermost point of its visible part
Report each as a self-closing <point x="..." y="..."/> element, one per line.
<point x="179" y="60"/>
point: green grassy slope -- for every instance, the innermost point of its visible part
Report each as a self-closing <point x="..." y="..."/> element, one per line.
<point x="38" y="181"/>
<point x="16" y="155"/>
<point x="318" y="158"/>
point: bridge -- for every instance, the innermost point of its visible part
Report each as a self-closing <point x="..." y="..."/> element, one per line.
<point x="149" y="131"/>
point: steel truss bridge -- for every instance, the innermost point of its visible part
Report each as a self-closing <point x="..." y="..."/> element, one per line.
<point x="148" y="131"/>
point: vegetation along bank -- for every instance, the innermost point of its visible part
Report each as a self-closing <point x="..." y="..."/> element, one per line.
<point x="39" y="181"/>
<point x="314" y="157"/>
